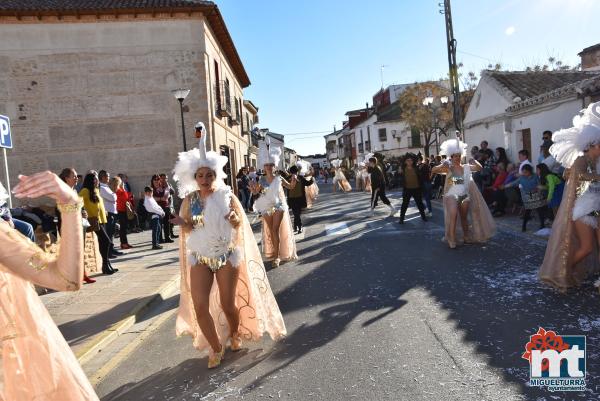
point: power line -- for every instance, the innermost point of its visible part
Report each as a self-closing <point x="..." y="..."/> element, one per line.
<point x="308" y="133"/>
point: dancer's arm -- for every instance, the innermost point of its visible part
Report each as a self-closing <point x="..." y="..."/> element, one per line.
<point x="440" y="169"/>
<point x="184" y="219"/>
<point x="62" y="271"/>
<point x="234" y="215"/>
<point x="475" y="165"/>
<point x="289" y="185"/>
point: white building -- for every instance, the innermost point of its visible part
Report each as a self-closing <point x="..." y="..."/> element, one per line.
<point x="513" y="109"/>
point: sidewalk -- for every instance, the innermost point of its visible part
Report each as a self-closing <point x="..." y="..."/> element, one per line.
<point x="99" y="312"/>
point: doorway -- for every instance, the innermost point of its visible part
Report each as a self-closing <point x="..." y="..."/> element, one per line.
<point x="526" y="140"/>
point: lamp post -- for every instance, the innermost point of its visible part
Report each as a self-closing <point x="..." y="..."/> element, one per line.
<point x="181" y="94"/>
<point x="434" y="103"/>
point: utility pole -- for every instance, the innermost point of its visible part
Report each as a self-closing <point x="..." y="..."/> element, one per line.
<point x="452" y="66"/>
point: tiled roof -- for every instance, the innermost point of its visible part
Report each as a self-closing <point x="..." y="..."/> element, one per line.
<point x="79" y="5"/>
<point x="391" y="112"/>
<point x="527" y="85"/>
<point x="39" y="8"/>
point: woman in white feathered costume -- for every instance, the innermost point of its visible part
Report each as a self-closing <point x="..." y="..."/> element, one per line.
<point x="572" y="250"/>
<point x="312" y="191"/>
<point x="462" y="198"/>
<point x="339" y="178"/>
<point x="278" y="241"/>
<point x="225" y="293"/>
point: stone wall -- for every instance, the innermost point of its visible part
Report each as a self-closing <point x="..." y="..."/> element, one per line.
<point x="98" y="95"/>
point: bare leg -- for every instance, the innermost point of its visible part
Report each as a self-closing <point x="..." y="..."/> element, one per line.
<point x="201" y="279"/>
<point x="464" y="221"/>
<point x="227" y="278"/>
<point x="269" y="228"/>
<point x="585" y="234"/>
<point x="277" y="218"/>
<point x="452" y="212"/>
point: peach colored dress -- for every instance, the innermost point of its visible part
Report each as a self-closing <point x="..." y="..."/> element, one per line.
<point x="312" y="193"/>
<point x="258" y="309"/>
<point x="272" y="200"/>
<point x="482" y="226"/>
<point x="340" y="179"/>
<point x="36" y="361"/>
<point x="556" y="270"/>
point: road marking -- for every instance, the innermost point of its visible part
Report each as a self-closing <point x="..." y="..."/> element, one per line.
<point x="337" y="229"/>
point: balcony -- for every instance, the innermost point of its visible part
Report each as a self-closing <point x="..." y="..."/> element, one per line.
<point x="222" y="99"/>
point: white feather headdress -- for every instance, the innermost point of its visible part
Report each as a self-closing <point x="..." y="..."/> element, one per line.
<point x="268" y="154"/>
<point x="303" y="167"/>
<point x="189" y="162"/>
<point x="452" y="147"/>
<point x="570" y="143"/>
<point x="336" y="163"/>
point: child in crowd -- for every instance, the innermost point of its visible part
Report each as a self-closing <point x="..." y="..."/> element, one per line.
<point x="156" y="213"/>
<point x="553" y="183"/>
<point x="532" y="195"/>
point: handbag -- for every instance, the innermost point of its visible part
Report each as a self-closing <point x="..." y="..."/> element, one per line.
<point x="130" y="212"/>
<point x="94" y="224"/>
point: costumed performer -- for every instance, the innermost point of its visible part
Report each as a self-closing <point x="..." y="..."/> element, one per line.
<point x="462" y="198"/>
<point x="278" y="243"/>
<point x="225" y="293"/>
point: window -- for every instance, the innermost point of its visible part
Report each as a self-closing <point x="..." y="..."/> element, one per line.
<point x="415" y="138"/>
<point x="367" y="146"/>
<point x="382" y="135"/>
<point x="360" y="148"/>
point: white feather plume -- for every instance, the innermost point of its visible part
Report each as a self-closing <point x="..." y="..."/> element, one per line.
<point x="336" y="163"/>
<point x="452" y="147"/>
<point x="570" y="143"/>
<point x="189" y="162"/>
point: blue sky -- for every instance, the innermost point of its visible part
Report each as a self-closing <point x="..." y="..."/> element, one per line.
<point x="310" y="61"/>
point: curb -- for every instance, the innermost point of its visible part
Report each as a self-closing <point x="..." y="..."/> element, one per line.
<point x="102" y="339"/>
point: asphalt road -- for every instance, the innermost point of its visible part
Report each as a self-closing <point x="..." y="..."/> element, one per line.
<point x="379" y="311"/>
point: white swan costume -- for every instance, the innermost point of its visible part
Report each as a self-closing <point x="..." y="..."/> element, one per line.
<point x="211" y="240"/>
<point x="460" y="187"/>
<point x="270" y="199"/>
<point x="569" y="144"/>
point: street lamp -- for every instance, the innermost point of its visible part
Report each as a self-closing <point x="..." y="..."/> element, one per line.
<point x="434" y="104"/>
<point x="181" y="94"/>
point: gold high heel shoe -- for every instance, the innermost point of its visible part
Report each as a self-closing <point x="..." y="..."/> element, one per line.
<point x="452" y="244"/>
<point x="214" y="359"/>
<point x="276" y="263"/>
<point x="236" y="342"/>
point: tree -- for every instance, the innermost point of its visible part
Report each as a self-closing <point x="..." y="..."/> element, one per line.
<point x="420" y="118"/>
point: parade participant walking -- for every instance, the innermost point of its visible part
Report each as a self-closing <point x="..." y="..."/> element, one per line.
<point x="462" y="197"/>
<point x="572" y="250"/>
<point x="297" y="194"/>
<point x="339" y="179"/>
<point x="312" y="191"/>
<point x="413" y="186"/>
<point x="222" y="273"/>
<point x="278" y="241"/>
<point x="37" y="363"/>
<point x="378" y="184"/>
<point x="425" y="176"/>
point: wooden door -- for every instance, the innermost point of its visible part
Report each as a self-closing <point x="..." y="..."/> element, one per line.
<point x="526" y="137"/>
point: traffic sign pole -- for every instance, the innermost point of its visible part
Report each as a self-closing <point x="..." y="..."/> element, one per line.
<point x="7" y="178"/>
<point x="6" y="142"/>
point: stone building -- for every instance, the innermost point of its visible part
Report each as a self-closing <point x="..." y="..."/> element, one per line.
<point x="89" y="84"/>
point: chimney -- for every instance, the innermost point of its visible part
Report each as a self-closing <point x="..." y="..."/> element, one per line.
<point x="590" y="58"/>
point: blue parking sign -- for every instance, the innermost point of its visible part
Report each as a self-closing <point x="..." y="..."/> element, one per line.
<point x="5" y="138"/>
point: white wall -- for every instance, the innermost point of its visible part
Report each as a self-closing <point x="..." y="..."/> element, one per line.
<point x="487" y="102"/>
<point x="551" y="117"/>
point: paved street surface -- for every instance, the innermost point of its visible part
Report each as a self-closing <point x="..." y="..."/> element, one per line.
<point x="379" y="311"/>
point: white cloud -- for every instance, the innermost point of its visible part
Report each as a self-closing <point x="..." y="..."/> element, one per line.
<point x="510" y="30"/>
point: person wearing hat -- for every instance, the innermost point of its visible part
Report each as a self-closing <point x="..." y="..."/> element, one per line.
<point x="278" y="243"/>
<point x="222" y="274"/>
<point x="462" y="198"/>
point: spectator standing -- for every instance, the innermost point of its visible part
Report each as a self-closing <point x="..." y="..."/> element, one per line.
<point x="524" y="160"/>
<point x="94" y="206"/>
<point x="158" y="193"/>
<point x="168" y="207"/>
<point x="548" y="159"/>
<point x="156" y="214"/>
<point x="109" y="198"/>
<point x="123" y="198"/>
<point x="243" y="189"/>
<point x="501" y="157"/>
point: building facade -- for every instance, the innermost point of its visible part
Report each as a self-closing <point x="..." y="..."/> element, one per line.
<point x="90" y="86"/>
